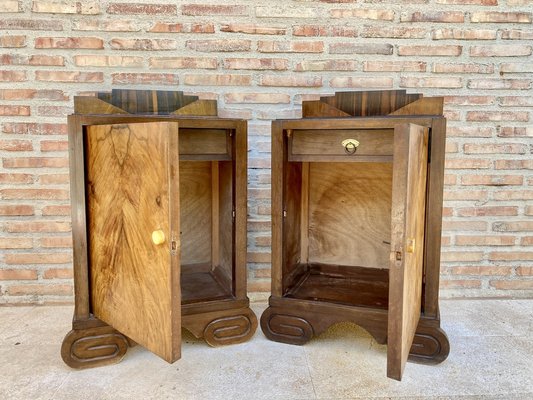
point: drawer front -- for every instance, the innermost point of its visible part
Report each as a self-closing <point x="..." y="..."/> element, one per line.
<point x="204" y="143"/>
<point x="340" y="142"/>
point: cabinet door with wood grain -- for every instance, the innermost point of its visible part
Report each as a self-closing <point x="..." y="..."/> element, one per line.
<point x="407" y="242"/>
<point x="133" y="231"/>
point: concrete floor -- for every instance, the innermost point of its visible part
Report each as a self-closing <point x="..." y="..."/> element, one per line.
<point x="491" y="358"/>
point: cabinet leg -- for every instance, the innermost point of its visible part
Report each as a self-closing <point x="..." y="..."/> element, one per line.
<point x="284" y="328"/>
<point x="230" y="329"/>
<point x="93" y="347"/>
<point x="430" y="344"/>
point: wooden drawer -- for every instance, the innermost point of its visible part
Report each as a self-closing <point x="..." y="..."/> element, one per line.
<point x="213" y="144"/>
<point x="318" y="144"/>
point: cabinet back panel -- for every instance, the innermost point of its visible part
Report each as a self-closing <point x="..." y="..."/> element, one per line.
<point x="195" y="206"/>
<point x="350" y="213"/>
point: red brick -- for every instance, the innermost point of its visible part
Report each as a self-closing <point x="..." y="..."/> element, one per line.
<point x="140" y="9"/>
<point x="513" y="164"/>
<point x="256" y="257"/>
<point x="257" y="98"/>
<point x="431" y="82"/>
<point x="394" y="66"/>
<point x="435" y="16"/>
<point x="34" y="128"/>
<point x="35" y="162"/>
<point x="12" y="76"/>
<point x="69" y="43"/>
<point x="143" y="44"/>
<point x="16" y="210"/>
<point x="473" y="2"/>
<point x="10" y="6"/>
<point x="480" y="270"/>
<point x="493" y="148"/>
<point x="460" y="284"/>
<point x="40" y="289"/>
<point x="463" y="68"/>
<point x="496" y="116"/>
<point x="15" y="178"/>
<point x="183" y="27"/>
<point x="31" y="24"/>
<point x="17" y="274"/>
<point x="516" y="101"/>
<point x="263" y="241"/>
<point x="15" y="243"/>
<point x="65" y="7"/>
<point x="492" y="180"/>
<point x="220" y="45"/>
<point x="69" y="76"/>
<point x="500" y="50"/>
<point x="360" y="82"/>
<point x="461" y="195"/>
<point x="238" y="114"/>
<point x="524" y="271"/>
<point x="217" y="79"/>
<point x="144" y="79"/>
<point x="56" y="242"/>
<point x="262" y="209"/>
<point x="376" y="14"/>
<point x="516" y="34"/>
<point x="56" y="210"/>
<point x="450" y="180"/>
<point x="16" y="145"/>
<point x="508" y="195"/>
<point x="253" y="29"/>
<point x="464" y="225"/>
<point x="13" y="41"/>
<point x="105" y="25"/>
<point x="7" y="110"/>
<point x="360" y="48"/>
<point x="528" y="210"/>
<point x="23" y="94"/>
<point x="511" y="256"/>
<point x="512" y="285"/>
<point x="484" y="240"/>
<point x="54" y="179"/>
<point x="270" y="46"/>
<point x="511" y="131"/>
<point x="487" y="211"/>
<point x="430" y="50"/>
<point x="519" y="2"/>
<point x="259" y="286"/>
<point x="201" y="9"/>
<point x="470" y="131"/>
<point x="290" y="81"/>
<point x="183" y="63"/>
<point x="262" y="273"/>
<point x="47" y="60"/>
<point x="34" y="194"/>
<point x="501" y="17"/>
<point x="288" y="113"/>
<point x="467" y="163"/>
<point x="37" y="258"/>
<point x="461" y="256"/>
<point x="396" y="32"/>
<point x="516" y="68"/>
<point x="518" y="226"/>
<point x="326" y="65"/>
<point x="469" y="100"/>
<point x="58" y="273"/>
<point x="277" y="64"/>
<point x="53" y="111"/>
<point x="463" y="34"/>
<point x="37" y="226"/>
<point x="93" y="60"/>
<point x="286" y="11"/>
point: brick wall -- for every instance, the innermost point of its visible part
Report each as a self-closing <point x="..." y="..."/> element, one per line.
<point x="260" y="62"/>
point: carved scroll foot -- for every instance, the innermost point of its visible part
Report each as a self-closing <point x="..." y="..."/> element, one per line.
<point x="230" y="329"/>
<point x="430" y="345"/>
<point x="285" y="328"/>
<point x="93" y="347"/>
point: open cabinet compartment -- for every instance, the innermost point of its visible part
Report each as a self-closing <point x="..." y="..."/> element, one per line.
<point x="354" y="231"/>
<point x="159" y="229"/>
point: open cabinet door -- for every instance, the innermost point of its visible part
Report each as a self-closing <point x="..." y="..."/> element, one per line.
<point x="407" y="242"/>
<point x="132" y="199"/>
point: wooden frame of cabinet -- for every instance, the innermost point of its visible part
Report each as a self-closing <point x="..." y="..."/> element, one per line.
<point x="159" y="232"/>
<point x="344" y="228"/>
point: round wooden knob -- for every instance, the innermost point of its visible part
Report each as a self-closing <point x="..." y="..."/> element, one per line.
<point x="158" y="237"/>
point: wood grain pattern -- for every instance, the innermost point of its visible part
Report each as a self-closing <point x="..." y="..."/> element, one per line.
<point x="407" y="222"/>
<point x="349" y="214"/>
<point x="204" y="141"/>
<point x="423" y="106"/>
<point x="373" y="142"/>
<point x="226" y="228"/>
<point x="199" y="107"/>
<point x="320" y="109"/>
<point x="93" y="105"/>
<point x="132" y="181"/>
<point x="195" y="220"/>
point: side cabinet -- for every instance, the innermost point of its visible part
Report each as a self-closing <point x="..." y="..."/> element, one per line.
<point x="159" y="230"/>
<point x="356" y="208"/>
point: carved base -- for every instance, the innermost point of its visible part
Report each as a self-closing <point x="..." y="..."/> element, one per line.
<point x="296" y="324"/>
<point x="93" y="347"/>
<point x="224" y="327"/>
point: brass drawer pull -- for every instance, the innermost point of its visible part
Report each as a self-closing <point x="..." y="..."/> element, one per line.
<point x="158" y="237"/>
<point x="350" y="145"/>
